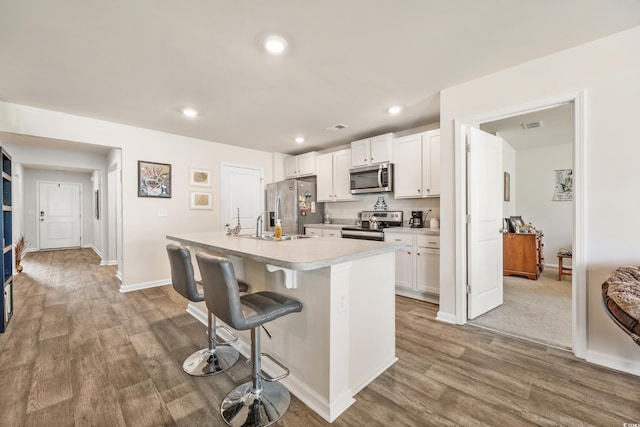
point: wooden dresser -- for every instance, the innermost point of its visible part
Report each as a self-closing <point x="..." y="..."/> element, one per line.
<point x="522" y="254"/>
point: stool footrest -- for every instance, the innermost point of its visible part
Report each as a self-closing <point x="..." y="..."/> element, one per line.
<point x="266" y="376"/>
<point x="233" y="339"/>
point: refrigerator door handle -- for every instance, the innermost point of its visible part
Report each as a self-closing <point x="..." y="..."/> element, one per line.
<point x="278" y="208"/>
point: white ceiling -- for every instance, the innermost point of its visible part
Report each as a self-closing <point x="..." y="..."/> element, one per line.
<point x="139" y="62"/>
<point x="557" y="127"/>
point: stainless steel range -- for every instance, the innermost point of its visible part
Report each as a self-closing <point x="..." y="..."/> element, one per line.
<point x="373" y="224"/>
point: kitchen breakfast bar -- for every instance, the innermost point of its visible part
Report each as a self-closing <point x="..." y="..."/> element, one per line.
<point x="345" y="335"/>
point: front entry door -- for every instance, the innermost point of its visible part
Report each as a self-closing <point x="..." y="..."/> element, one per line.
<point x="484" y="184"/>
<point x="59" y="215"/>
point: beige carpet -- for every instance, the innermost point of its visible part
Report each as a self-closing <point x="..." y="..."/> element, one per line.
<point x="535" y="309"/>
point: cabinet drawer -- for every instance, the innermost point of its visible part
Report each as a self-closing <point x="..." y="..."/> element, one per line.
<point x="428" y="241"/>
<point x="405" y="239"/>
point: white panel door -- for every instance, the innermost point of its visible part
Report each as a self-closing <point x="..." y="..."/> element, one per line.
<point x="241" y="189"/>
<point x="59" y="215"/>
<point x="484" y="183"/>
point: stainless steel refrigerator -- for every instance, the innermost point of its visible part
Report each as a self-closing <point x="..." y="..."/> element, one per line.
<point x="294" y="202"/>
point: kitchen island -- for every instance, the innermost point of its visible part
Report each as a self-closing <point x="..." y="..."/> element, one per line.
<point x="345" y="335"/>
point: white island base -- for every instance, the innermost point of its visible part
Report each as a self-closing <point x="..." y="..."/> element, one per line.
<point x="343" y="338"/>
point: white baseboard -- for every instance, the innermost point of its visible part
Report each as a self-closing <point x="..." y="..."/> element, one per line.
<point x="613" y="362"/>
<point x="145" y="285"/>
<point x="446" y="317"/>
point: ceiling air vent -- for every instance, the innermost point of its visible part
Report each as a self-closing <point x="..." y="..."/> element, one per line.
<point x="337" y="127"/>
<point x="532" y="125"/>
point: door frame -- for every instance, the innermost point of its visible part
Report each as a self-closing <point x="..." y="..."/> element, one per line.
<point x="579" y="283"/>
<point x="39" y="208"/>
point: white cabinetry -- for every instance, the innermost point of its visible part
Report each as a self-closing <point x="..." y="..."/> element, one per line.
<point x="323" y="232"/>
<point x="300" y="165"/>
<point x="417" y="165"/>
<point x="369" y="151"/>
<point x="333" y="176"/>
<point x="417" y="265"/>
<point x="428" y="264"/>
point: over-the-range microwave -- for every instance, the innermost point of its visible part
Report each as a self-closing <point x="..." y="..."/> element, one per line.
<point x="372" y="179"/>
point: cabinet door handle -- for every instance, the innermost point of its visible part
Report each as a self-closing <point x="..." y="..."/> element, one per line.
<point x="398" y="240"/>
<point x="419" y="190"/>
<point x="418" y="254"/>
<point x="409" y="253"/>
<point x="365" y="160"/>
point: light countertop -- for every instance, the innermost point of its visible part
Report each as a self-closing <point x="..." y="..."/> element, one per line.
<point x="303" y="254"/>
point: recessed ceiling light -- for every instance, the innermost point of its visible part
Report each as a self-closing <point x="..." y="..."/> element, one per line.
<point x="275" y="45"/>
<point x="189" y="112"/>
<point x="394" y="110"/>
<point x="299" y="139"/>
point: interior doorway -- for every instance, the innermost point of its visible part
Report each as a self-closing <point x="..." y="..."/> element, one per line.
<point x="578" y="282"/>
<point x="537" y="301"/>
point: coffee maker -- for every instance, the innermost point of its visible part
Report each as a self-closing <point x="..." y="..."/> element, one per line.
<point x="416" y="219"/>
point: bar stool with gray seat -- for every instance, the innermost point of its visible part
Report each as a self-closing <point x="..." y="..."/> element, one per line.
<point x="254" y="403"/>
<point x="218" y="357"/>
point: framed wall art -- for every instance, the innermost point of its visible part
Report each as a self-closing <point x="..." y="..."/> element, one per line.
<point x="201" y="200"/>
<point x="199" y="177"/>
<point x="154" y="179"/>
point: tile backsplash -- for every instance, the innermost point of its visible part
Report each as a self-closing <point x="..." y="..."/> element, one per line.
<point x="347" y="212"/>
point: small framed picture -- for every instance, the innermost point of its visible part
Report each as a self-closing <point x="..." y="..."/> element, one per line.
<point x="201" y="200"/>
<point x="199" y="177"/>
<point x="516" y="221"/>
<point x="154" y="179"/>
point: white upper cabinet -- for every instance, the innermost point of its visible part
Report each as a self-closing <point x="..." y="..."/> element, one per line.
<point x="369" y="151"/>
<point x="431" y="164"/>
<point x="300" y="165"/>
<point x="407" y="175"/>
<point x="417" y="165"/>
<point x="333" y="176"/>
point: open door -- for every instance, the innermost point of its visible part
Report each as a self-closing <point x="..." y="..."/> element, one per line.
<point x="484" y="228"/>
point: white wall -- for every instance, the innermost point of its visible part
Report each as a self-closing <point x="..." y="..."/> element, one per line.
<point x="144" y="258"/>
<point x="31" y="220"/>
<point x="509" y="165"/>
<point x="536" y="179"/>
<point x="608" y="70"/>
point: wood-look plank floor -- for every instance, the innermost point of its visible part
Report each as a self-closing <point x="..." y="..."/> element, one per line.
<point x="80" y="353"/>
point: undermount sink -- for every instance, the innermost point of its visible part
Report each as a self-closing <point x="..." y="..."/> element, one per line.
<point x="271" y="236"/>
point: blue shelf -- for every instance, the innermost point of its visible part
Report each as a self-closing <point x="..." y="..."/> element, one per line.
<point x="6" y="231"/>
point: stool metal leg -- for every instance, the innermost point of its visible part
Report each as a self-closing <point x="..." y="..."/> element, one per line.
<point x="212" y="360"/>
<point x="255" y="403"/>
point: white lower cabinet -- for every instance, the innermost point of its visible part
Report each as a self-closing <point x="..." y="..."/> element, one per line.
<point x="417" y="265"/>
<point x="323" y="232"/>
